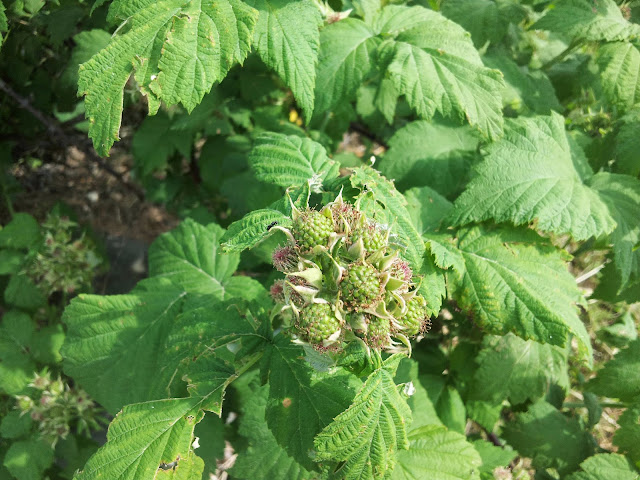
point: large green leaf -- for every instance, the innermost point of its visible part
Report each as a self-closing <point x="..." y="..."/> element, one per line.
<point x="619" y="63"/>
<point x="430" y="154"/>
<point x="287" y="39"/>
<point x="627" y="437"/>
<point x="16" y="364"/>
<point x="252" y="228"/>
<point x="291" y="161"/>
<point x="513" y="281"/>
<point x="437" y="454"/>
<point x="588" y="20"/>
<point x="264" y="458"/>
<point x="535" y="174"/>
<point x="627" y="144"/>
<point x="621" y="194"/>
<point x="520" y="370"/>
<point x="606" y="466"/>
<point x="347" y="57"/>
<point x="28" y="459"/>
<point x="433" y="63"/>
<point x="549" y="438"/>
<point x="427" y="208"/>
<point x="368" y="434"/>
<point x="189" y="257"/>
<point x="178" y="50"/>
<point x="144" y="436"/>
<point x="620" y="377"/>
<point x="395" y="214"/>
<point x="22" y="232"/>
<point x="301" y="400"/>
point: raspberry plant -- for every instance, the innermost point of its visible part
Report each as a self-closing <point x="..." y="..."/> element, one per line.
<point x="409" y="245"/>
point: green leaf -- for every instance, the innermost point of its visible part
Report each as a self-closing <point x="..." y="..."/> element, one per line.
<point x="627" y="437"/>
<point x="301" y="400"/>
<point x="15" y="424"/>
<point x="188" y="256"/>
<point x="606" y="466"/>
<point x="493" y="456"/>
<point x="21" y="292"/>
<point x="620" y="377"/>
<point x="422" y="409"/>
<point x="621" y="194"/>
<point x="28" y="459"/>
<point x="251" y="229"/>
<point x="451" y="409"/>
<point x="534" y="174"/>
<point x="264" y="458"/>
<point x="287" y="39"/>
<point x="16" y="365"/>
<point x="347" y="57"/>
<point x="178" y="51"/>
<point x="427" y="208"/>
<point x="437" y="454"/>
<point x="433" y="63"/>
<point x="10" y="261"/>
<point x="369" y="433"/>
<point x="520" y="370"/>
<point x="525" y="90"/>
<point x="485" y="20"/>
<point x="587" y="20"/>
<point x="22" y="232"/>
<point x="627" y="144"/>
<point x="398" y="218"/>
<point x="619" y="64"/>
<point x="549" y="438"/>
<point x="4" y="23"/>
<point x="88" y="43"/>
<point x="430" y="154"/>
<point x="288" y="160"/>
<point x="513" y="281"/>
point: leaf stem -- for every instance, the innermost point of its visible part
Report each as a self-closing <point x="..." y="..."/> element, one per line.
<point x="575" y="43"/>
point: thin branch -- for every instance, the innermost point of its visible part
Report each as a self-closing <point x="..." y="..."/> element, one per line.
<point x="562" y="55"/>
<point x="60" y="137"/>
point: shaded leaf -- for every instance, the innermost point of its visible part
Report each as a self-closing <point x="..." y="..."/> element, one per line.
<point x="606" y="466"/>
<point x="619" y="63"/>
<point x="620" y="377"/>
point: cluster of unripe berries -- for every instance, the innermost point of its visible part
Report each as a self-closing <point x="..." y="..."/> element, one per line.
<point x="344" y="282"/>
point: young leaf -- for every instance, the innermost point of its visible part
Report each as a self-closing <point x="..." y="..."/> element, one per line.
<point x="621" y="194"/>
<point x="534" y="174"/>
<point x="251" y="229"/>
<point x="188" y="256"/>
<point x="347" y="55"/>
<point x="619" y="63"/>
<point x="513" y="281"/>
<point x="549" y="438"/>
<point x="398" y="218"/>
<point x="436" y="453"/>
<point x="627" y="437"/>
<point x="588" y="20"/>
<point x="301" y="400"/>
<point x="264" y="458"/>
<point x="178" y="51"/>
<point x="432" y="154"/>
<point x="430" y="64"/>
<point x="287" y="39"/>
<point x="369" y="433"/>
<point x="287" y="160"/>
<point x="606" y="466"/>
<point x="520" y="370"/>
<point x="620" y="377"/>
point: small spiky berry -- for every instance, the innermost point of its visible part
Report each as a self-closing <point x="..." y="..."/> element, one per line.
<point x="289" y="291"/>
<point x="402" y="271"/>
<point x="416" y="319"/>
<point x="378" y="331"/>
<point x="373" y="237"/>
<point x="360" y="286"/>
<point x="285" y="259"/>
<point x="311" y="228"/>
<point x="345" y="217"/>
<point x="277" y="291"/>
<point x="318" y="322"/>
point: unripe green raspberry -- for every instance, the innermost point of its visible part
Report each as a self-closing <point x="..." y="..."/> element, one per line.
<point x="378" y="331"/>
<point x="360" y="287"/>
<point x="345" y="217"/>
<point x="416" y="319"/>
<point x="318" y="322"/>
<point x="373" y="238"/>
<point x="311" y="228"/>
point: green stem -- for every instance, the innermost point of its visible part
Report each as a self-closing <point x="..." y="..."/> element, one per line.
<point x="562" y="55"/>
<point x="603" y="405"/>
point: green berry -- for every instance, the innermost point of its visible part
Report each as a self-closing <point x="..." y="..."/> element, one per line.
<point x="311" y="228"/>
<point x="378" y="331"/>
<point x="360" y="287"/>
<point x="318" y="322"/>
<point x="416" y="319"/>
<point x="373" y="238"/>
